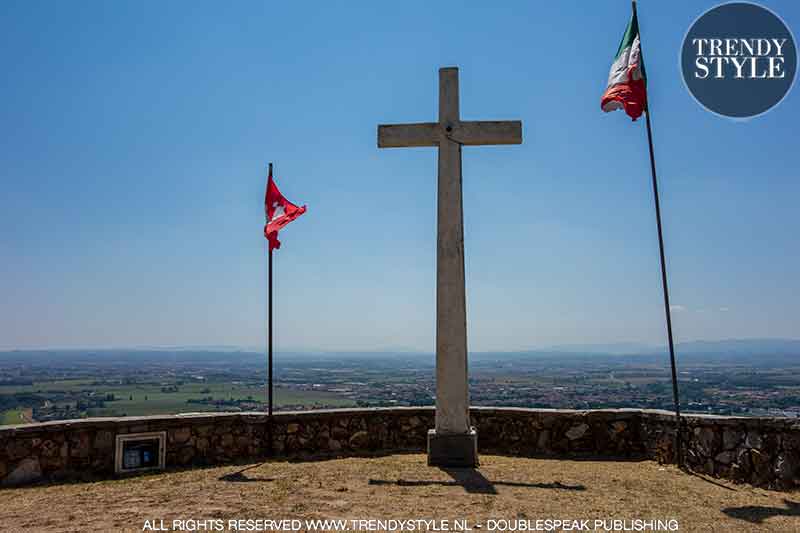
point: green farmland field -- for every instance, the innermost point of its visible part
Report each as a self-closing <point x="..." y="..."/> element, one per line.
<point x="8" y="418"/>
<point x="69" y="385"/>
<point x="158" y="402"/>
<point x="144" y="399"/>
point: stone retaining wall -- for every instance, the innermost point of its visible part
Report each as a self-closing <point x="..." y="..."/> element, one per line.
<point x="761" y="451"/>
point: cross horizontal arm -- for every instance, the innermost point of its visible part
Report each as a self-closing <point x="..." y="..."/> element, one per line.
<point x="405" y="135"/>
<point x="477" y="132"/>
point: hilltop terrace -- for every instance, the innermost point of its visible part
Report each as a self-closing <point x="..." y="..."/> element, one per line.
<point x="366" y="464"/>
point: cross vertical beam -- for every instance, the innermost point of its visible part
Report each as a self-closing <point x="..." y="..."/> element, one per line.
<point x="453" y="442"/>
<point x="452" y="391"/>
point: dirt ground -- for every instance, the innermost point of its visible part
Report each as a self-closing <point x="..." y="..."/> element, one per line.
<point x="516" y="490"/>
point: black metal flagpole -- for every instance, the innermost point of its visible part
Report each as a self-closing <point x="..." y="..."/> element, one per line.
<point x="269" y="336"/>
<point x="664" y="284"/>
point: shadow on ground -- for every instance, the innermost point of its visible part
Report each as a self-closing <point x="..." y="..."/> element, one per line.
<point x="240" y="477"/>
<point x="473" y="481"/>
<point x="707" y="479"/>
<point x="565" y="456"/>
<point x="755" y="514"/>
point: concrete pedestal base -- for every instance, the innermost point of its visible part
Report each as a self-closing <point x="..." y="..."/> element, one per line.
<point x="453" y="451"/>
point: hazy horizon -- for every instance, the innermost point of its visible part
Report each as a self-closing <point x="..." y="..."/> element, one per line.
<point x="620" y="348"/>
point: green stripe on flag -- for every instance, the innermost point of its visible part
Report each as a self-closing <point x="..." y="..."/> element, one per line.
<point x="630" y="32"/>
<point x="627" y="41"/>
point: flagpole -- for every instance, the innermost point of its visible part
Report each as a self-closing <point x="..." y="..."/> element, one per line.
<point x="269" y="337"/>
<point x="664" y="284"/>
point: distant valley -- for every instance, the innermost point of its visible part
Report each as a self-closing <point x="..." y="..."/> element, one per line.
<point x="743" y="377"/>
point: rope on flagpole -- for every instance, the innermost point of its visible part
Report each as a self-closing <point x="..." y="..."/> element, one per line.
<point x="664" y="285"/>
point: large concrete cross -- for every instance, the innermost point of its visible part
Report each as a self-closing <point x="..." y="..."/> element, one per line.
<point x="453" y="442"/>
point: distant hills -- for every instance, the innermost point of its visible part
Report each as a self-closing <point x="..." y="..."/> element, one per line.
<point x="742" y="346"/>
<point x="738" y="350"/>
<point x="738" y="346"/>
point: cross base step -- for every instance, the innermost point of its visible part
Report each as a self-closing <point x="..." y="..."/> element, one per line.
<point x="453" y="451"/>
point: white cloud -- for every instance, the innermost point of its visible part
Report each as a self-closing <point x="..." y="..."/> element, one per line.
<point x="677" y="308"/>
<point x="724" y="309"/>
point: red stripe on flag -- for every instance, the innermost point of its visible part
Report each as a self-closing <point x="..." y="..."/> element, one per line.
<point x="632" y="95"/>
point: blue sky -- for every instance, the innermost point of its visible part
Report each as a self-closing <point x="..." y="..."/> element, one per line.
<point x="136" y="136"/>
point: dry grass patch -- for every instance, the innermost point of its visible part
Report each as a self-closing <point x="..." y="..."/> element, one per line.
<point x="403" y="487"/>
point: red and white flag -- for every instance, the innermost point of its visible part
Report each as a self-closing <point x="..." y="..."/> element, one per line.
<point x="279" y="212"/>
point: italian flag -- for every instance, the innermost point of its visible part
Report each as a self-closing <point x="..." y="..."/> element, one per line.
<point x="627" y="82"/>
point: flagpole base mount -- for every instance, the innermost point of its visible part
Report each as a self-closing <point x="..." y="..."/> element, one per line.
<point x="453" y="450"/>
